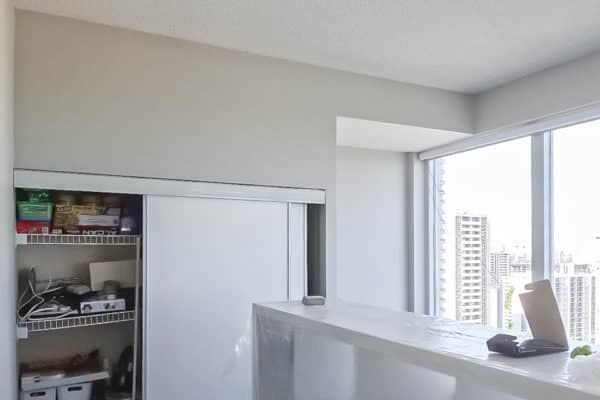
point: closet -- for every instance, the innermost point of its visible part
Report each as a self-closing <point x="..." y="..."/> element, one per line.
<point x="79" y="308"/>
<point x="202" y="254"/>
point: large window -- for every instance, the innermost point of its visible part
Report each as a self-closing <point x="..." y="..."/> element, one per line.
<point x="484" y="230"/>
<point x="576" y="253"/>
<point x="513" y="212"/>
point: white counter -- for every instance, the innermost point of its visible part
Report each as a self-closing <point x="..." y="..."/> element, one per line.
<point x="349" y="351"/>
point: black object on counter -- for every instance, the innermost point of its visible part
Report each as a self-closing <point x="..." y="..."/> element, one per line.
<point x="509" y="346"/>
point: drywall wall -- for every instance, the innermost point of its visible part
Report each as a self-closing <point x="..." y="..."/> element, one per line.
<point x="372" y="227"/>
<point x="548" y="92"/>
<point x="8" y="378"/>
<point x="100" y="99"/>
<point x="91" y="98"/>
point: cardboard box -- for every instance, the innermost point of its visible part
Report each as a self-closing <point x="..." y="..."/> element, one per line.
<point x="33" y="228"/>
<point x="66" y="216"/>
<point x="120" y="271"/>
<point x="111" y="221"/>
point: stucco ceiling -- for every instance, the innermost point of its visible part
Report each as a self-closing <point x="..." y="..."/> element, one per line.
<point x="462" y="45"/>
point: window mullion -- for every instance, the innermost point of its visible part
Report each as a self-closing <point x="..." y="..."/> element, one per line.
<point x="541" y="205"/>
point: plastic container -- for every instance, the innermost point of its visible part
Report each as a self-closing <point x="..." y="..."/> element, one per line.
<point x="40" y="394"/>
<point x="80" y="391"/>
<point x="28" y="211"/>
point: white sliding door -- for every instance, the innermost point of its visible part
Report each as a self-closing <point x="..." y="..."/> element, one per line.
<point x="207" y="261"/>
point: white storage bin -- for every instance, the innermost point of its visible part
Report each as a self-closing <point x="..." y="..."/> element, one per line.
<point x="80" y="391"/>
<point x="40" y="394"/>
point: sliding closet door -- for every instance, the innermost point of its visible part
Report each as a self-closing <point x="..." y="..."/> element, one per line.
<point x="207" y="261"/>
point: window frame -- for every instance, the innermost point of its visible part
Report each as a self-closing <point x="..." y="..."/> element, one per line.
<point x="541" y="205"/>
<point x="541" y="213"/>
<point x="542" y="192"/>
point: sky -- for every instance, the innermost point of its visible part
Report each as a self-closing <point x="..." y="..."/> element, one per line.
<point x="577" y="191"/>
<point x="496" y="181"/>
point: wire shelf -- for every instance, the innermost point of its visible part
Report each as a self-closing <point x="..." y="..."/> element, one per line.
<point x="76" y="240"/>
<point x="77" y="322"/>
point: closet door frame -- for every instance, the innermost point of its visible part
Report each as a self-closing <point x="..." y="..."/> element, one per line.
<point x="38" y="179"/>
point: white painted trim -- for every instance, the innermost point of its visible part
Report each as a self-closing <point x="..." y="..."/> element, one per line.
<point x="433" y="233"/>
<point x="418" y="256"/>
<point x="377" y="135"/>
<point x="541" y="205"/>
<point x="296" y="248"/>
<point x="162" y="187"/>
<point x="554" y="121"/>
<point x="144" y="347"/>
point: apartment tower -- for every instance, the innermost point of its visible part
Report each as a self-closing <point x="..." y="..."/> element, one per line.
<point x="472" y="254"/>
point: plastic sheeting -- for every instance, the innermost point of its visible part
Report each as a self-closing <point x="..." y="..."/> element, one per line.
<point x="344" y="351"/>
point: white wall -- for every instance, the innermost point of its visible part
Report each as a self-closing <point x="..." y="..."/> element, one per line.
<point x="91" y="98"/>
<point x="372" y="227"/>
<point x="541" y="94"/>
<point x="101" y="99"/>
<point x="8" y="377"/>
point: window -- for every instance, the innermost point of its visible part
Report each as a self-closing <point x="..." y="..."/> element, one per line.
<point x="487" y="209"/>
<point x="576" y="221"/>
<point x="483" y="225"/>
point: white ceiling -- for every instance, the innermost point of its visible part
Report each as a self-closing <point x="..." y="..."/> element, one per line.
<point x="462" y="45"/>
<point x="362" y="133"/>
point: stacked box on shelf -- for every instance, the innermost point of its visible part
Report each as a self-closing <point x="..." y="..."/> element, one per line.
<point x="92" y="214"/>
<point x="34" y="212"/>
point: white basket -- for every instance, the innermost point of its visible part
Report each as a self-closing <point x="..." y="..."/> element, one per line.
<point x="80" y="391"/>
<point x="41" y="394"/>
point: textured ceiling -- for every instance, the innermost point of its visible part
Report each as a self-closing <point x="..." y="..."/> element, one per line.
<point x="462" y="45"/>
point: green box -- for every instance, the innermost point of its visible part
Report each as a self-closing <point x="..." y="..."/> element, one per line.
<point x="28" y="211"/>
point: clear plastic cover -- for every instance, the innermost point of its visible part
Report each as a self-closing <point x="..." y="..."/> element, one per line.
<point x="346" y="352"/>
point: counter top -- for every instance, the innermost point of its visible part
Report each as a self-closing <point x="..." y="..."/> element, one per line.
<point x="450" y="347"/>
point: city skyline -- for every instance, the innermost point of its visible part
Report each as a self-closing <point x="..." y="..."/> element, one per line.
<point x="486" y="284"/>
<point x="494" y="183"/>
<point x="504" y="274"/>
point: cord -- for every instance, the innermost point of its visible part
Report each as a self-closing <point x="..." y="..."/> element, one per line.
<point x="33" y="310"/>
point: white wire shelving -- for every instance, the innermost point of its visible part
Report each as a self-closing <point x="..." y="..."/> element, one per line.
<point x="24" y="328"/>
<point x="75" y="240"/>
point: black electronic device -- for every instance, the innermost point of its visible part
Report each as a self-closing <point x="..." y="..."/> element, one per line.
<point x="509" y="346"/>
<point x="123" y="375"/>
<point x="544" y="320"/>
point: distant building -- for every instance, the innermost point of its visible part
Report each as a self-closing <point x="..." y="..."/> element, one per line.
<point x="500" y="268"/>
<point x="441" y="234"/>
<point x="576" y="288"/>
<point x="510" y="310"/>
<point x="471" y="261"/>
<point x="521" y="269"/>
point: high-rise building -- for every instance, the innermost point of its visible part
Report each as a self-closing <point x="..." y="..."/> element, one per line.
<point x="575" y="287"/>
<point x="471" y="263"/>
<point x="510" y="309"/>
<point x="500" y="268"/>
<point x="444" y="284"/>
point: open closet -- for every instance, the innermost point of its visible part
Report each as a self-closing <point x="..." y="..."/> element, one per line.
<point x="134" y="288"/>
<point x="78" y="256"/>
